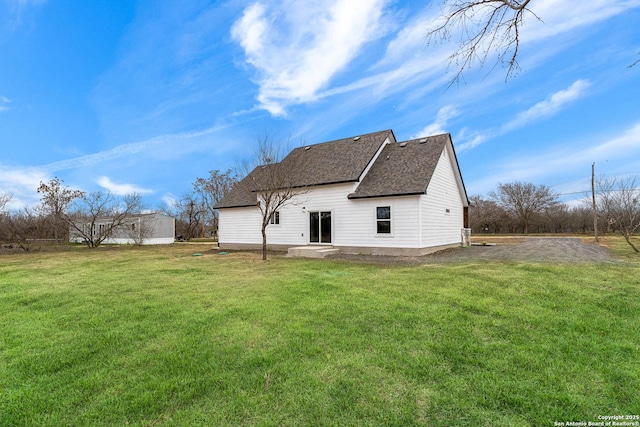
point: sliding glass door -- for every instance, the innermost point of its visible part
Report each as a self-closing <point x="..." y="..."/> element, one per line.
<point x="320" y="227"/>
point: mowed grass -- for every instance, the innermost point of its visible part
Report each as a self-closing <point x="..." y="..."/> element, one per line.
<point x="159" y="337"/>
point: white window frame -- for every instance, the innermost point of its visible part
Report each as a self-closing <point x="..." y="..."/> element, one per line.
<point x="275" y="218"/>
<point x="376" y="220"/>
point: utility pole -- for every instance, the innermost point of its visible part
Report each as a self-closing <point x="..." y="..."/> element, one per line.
<point x="593" y="196"/>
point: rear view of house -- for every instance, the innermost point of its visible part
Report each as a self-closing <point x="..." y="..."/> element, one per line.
<point x="362" y="194"/>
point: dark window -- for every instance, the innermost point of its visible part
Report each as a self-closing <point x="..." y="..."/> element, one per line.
<point x="275" y="218"/>
<point x="325" y="227"/>
<point x="383" y="220"/>
<point x="320" y="227"/>
<point x="314" y="225"/>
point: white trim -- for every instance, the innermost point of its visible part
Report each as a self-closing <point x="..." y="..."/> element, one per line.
<point x="370" y="165"/>
<point x="376" y="219"/>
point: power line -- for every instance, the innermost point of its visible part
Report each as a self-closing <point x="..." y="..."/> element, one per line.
<point x="586" y="192"/>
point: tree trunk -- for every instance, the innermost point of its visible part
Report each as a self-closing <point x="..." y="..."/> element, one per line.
<point x="264" y="243"/>
<point x="627" y="237"/>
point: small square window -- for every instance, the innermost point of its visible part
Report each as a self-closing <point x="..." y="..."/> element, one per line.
<point x="383" y="212"/>
<point x="384" y="227"/>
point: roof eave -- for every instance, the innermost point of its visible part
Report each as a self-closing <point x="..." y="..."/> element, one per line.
<point x="353" y="196"/>
<point x="235" y="206"/>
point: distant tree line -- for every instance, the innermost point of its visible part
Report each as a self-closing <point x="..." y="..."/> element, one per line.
<point x="63" y="211"/>
<point x="528" y="208"/>
<point x="516" y="207"/>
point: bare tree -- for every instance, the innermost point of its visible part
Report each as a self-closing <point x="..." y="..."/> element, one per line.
<point x="139" y="228"/>
<point x="211" y="190"/>
<point x="5" y="198"/>
<point x="525" y="201"/>
<point x="97" y="216"/>
<point x="581" y="218"/>
<point x="55" y="201"/>
<point x="189" y="216"/>
<point x="273" y="181"/>
<point x="619" y="199"/>
<point x="606" y="204"/>
<point x="485" y="216"/>
<point x="187" y="212"/>
<point x="484" y="26"/>
<point x="25" y="228"/>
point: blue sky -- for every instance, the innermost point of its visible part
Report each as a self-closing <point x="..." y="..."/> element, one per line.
<point x="146" y="96"/>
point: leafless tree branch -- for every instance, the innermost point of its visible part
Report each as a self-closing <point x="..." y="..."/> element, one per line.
<point x="484" y="26"/>
<point x="5" y="198"/>
<point x="274" y="181"/>
<point x="96" y="216"/>
<point x="619" y="201"/>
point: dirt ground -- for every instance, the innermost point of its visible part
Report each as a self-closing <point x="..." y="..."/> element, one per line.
<point x="536" y="249"/>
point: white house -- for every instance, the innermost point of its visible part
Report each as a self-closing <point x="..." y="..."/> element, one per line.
<point x="141" y="229"/>
<point x="365" y="194"/>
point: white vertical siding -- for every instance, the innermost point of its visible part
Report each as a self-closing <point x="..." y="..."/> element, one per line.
<point x="440" y="227"/>
<point x="358" y="223"/>
<point x="353" y="222"/>
<point x="294" y="217"/>
<point x="239" y="225"/>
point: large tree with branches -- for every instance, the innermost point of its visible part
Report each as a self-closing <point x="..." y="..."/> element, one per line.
<point x="96" y="216"/>
<point x="525" y="201"/>
<point x="210" y="191"/>
<point x="619" y="202"/>
<point x="55" y="201"/>
<point x="274" y="181"/>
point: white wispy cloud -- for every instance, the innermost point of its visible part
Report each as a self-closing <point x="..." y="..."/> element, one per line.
<point x="561" y="16"/>
<point x="551" y="106"/>
<point x="572" y="157"/>
<point x="16" y="11"/>
<point x="4" y="103"/>
<point x="169" y="199"/>
<point x="21" y="183"/>
<point x="127" y="150"/>
<point x="440" y="124"/>
<point x="121" y="189"/>
<point x="298" y="48"/>
<point x="294" y="66"/>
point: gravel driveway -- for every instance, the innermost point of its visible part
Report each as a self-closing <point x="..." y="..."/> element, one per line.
<point x="537" y="249"/>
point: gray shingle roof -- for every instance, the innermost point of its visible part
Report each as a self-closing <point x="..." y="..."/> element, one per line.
<point x="332" y="162"/>
<point x="342" y="160"/>
<point x="241" y="195"/>
<point x="403" y="168"/>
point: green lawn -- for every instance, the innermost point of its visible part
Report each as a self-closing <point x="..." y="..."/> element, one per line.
<point x="159" y="337"/>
